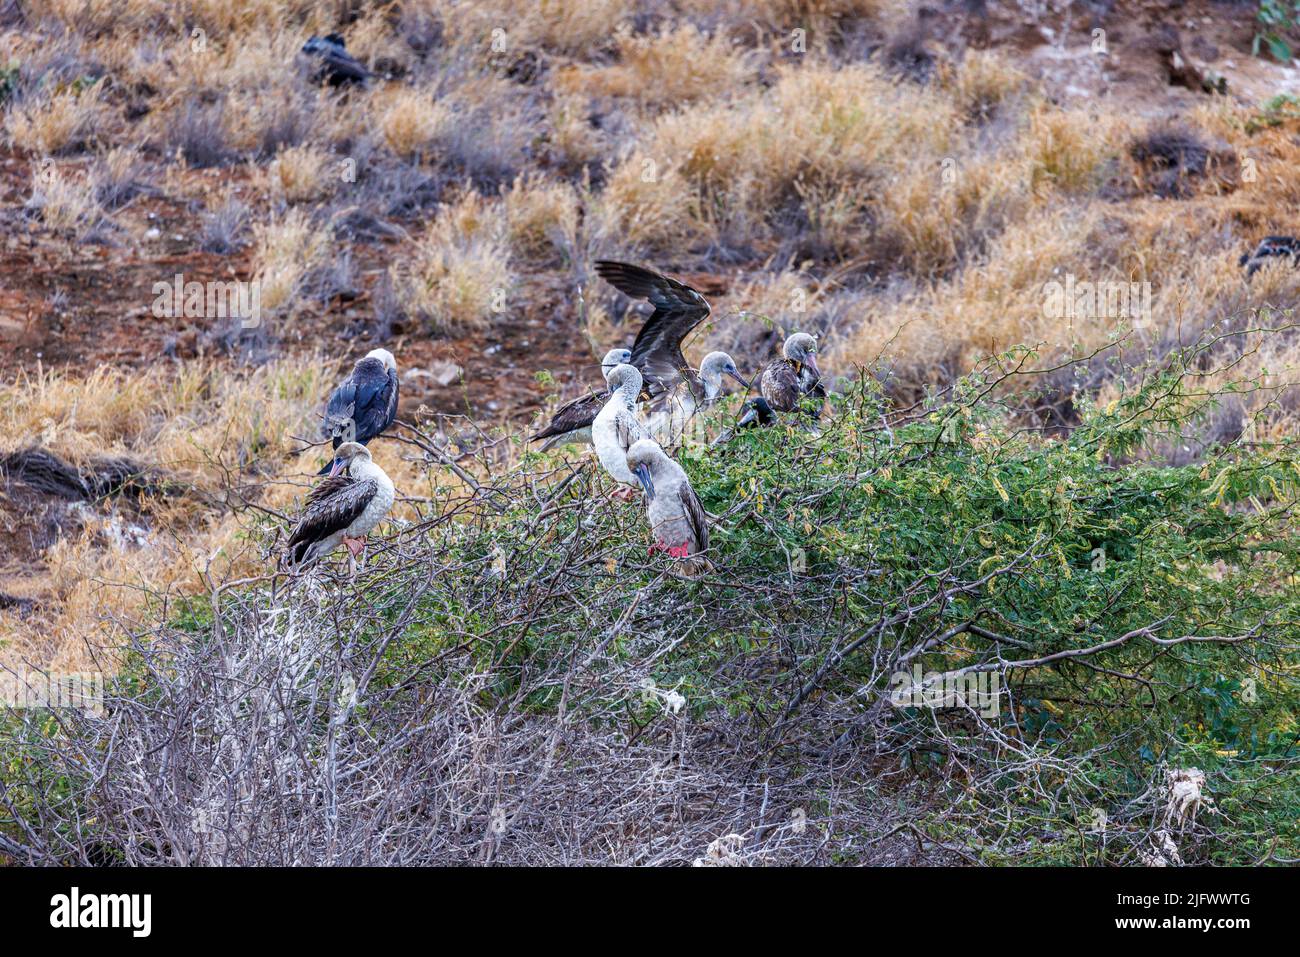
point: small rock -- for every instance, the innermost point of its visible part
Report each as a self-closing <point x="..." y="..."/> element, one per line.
<point x="153" y="232"/>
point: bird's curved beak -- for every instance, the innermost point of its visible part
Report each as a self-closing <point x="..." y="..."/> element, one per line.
<point x="337" y="467"/>
<point x="812" y="364"/>
<point x="643" y="474"/>
<point x="738" y="377"/>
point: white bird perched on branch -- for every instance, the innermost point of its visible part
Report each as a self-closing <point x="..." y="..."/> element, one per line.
<point x="617" y="427"/>
<point x="342" y="509"/>
<point x="677" y="518"/>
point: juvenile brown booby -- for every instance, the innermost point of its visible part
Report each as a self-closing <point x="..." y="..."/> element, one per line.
<point x="571" y="423"/>
<point x="795" y="375"/>
<point x="342" y="509"/>
<point x="617" y="427"/>
<point x="677" y="519"/>
<point x="365" y="403"/>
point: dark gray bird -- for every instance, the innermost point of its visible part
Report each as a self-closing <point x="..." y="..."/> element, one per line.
<point x="342" y="509"/>
<point x="787" y="380"/>
<point x="336" y="64"/>
<point x="678" y="309"/>
<point x="1268" y="247"/>
<point x="365" y="403"/>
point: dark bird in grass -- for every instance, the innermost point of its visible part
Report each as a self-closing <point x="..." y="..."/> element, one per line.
<point x="571" y="422"/>
<point x="1269" y="247"/>
<point x="336" y="65"/>
<point x="365" y="403"/>
<point x="342" y="509"/>
<point x="786" y="381"/>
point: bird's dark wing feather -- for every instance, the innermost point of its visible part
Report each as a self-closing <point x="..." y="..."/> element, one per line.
<point x="578" y="414"/>
<point x="780" y="385"/>
<point x="678" y="309"/>
<point x="331" y="507"/>
<point x="695" y="516"/>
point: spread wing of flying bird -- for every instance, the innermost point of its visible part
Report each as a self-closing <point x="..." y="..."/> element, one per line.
<point x="678" y="309"/>
<point x="332" y="506"/>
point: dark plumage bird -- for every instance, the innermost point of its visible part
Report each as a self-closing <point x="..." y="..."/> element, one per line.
<point x="342" y="509"/>
<point x="572" y="421"/>
<point x="787" y="380"/>
<point x="678" y="309"/>
<point x="1269" y="247"/>
<point x="336" y="64"/>
<point x="365" y="403"/>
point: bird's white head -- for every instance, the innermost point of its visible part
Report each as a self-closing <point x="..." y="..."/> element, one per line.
<point x="348" y="456"/>
<point x="627" y="379"/>
<point x="802" y="348"/>
<point x="384" y="356"/>
<point x="616" y="357"/>
<point x="642" y="457"/>
<point x="713" y="368"/>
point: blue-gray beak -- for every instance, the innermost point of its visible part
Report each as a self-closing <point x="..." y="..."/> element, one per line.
<point x="337" y="467"/>
<point x="643" y="473"/>
<point x="736" y="375"/>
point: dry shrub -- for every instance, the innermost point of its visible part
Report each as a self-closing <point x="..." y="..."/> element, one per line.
<point x="288" y="248"/>
<point x="303" y="174"/>
<point x="411" y="120"/>
<point x="541" y="216"/>
<point x="66" y="203"/>
<point x="1068" y="147"/>
<point x="982" y="82"/>
<point x="61" y="122"/>
<point x="670" y="67"/>
<point x="458" y="274"/>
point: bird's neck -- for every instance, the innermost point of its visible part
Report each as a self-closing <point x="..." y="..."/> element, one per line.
<point x="628" y="392"/>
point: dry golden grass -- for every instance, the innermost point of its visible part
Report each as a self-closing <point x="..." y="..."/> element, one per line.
<point x="62" y="121"/>
<point x="303" y="174"/>
<point x="458" y="275"/>
<point x="288" y="248"/>
<point x="667" y="68"/>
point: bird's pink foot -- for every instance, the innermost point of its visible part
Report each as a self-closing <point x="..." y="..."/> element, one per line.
<point x="624" y="493"/>
<point x="354" y="545"/>
<point x="679" y="551"/>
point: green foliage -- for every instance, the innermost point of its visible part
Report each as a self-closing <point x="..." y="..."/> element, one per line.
<point x="1275" y="18"/>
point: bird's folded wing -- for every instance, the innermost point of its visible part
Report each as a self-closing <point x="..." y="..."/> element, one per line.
<point x="780" y="385"/>
<point x="577" y="414"/>
<point x="695" y="515"/>
<point x="332" y="506"/>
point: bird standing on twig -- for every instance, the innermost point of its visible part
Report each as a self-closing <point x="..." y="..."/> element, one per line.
<point x="677" y="519"/>
<point x="343" y="509"/>
<point x="617" y="427"/>
<point x="365" y="403"/>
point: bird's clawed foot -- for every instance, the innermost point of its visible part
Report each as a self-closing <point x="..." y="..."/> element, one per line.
<point x="624" y="493"/>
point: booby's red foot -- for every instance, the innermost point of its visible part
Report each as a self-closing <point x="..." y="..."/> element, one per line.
<point x="624" y="493"/>
<point x="355" y="545"/>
